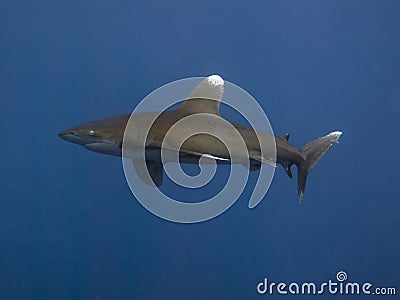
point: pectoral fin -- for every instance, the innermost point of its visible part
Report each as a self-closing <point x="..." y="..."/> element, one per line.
<point x="153" y="176"/>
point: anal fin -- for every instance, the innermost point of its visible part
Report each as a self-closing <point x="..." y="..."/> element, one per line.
<point x="287" y="167"/>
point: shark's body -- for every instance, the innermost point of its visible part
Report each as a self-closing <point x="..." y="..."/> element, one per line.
<point x="107" y="136"/>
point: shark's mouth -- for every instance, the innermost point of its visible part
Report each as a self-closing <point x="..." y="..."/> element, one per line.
<point x="71" y="136"/>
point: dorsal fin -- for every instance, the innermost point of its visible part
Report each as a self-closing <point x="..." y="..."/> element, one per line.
<point x="286" y="137"/>
<point x="205" y="97"/>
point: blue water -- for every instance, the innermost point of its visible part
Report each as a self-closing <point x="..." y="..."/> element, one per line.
<point x="69" y="225"/>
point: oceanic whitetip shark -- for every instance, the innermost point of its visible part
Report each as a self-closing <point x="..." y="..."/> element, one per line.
<point x="106" y="136"/>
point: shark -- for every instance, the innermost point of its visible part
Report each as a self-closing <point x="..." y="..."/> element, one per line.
<point x="108" y="135"/>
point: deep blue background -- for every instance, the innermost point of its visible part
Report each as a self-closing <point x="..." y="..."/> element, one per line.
<point x="69" y="226"/>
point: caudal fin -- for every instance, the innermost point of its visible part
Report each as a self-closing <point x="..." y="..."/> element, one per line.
<point x="312" y="153"/>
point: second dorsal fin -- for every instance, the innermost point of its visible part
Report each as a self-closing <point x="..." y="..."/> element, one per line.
<point x="286" y="137"/>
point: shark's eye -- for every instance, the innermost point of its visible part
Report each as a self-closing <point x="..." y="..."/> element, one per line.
<point x="91" y="132"/>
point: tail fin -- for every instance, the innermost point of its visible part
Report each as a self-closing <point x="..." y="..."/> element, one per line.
<point x="312" y="152"/>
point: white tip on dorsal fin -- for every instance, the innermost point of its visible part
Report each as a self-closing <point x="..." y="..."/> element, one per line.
<point x="205" y="97"/>
<point x="336" y="135"/>
<point x="215" y="80"/>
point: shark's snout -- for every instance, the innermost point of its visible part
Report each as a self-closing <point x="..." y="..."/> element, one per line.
<point x="71" y="136"/>
<point x="63" y="134"/>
